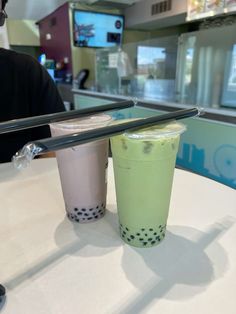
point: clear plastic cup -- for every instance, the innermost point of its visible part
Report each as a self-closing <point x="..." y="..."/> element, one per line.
<point x="144" y="163"/>
<point x="83" y="170"/>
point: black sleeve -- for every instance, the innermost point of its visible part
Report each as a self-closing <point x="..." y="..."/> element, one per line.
<point x="43" y="92"/>
<point x="43" y="95"/>
<point x="26" y="90"/>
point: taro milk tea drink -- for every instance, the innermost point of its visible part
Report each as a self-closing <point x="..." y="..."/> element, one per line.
<point x="83" y="169"/>
<point x="144" y="164"/>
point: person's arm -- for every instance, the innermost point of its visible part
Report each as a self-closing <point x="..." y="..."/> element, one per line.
<point x="44" y="96"/>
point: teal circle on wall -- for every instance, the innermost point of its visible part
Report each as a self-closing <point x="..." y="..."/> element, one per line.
<point x="225" y="161"/>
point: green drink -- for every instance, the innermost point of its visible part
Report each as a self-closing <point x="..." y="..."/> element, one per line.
<point x="144" y="164"/>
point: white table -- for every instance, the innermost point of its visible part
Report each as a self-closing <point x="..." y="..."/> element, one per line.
<point x="52" y="266"/>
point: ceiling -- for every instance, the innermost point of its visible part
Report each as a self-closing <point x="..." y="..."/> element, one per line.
<point x="37" y="9"/>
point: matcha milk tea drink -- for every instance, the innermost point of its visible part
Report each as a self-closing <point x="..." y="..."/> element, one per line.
<point x="83" y="169"/>
<point x="144" y="163"/>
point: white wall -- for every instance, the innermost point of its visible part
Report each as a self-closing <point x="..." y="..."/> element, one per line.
<point x="4" y="37"/>
<point x="23" y="32"/>
<point x="139" y="15"/>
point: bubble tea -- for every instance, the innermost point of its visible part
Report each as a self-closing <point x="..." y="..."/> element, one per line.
<point x="83" y="169"/>
<point x="144" y="164"/>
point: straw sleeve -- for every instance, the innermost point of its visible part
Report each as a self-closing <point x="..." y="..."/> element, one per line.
<point x="32" y="149"/>
<point x="31" y="122"/>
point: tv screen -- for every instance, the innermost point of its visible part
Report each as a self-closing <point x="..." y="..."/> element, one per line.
<point x="97" y="30"/>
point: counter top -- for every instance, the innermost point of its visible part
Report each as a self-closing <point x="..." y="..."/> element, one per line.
<point x="50" y="265"/>
<point x="218" y="114"/>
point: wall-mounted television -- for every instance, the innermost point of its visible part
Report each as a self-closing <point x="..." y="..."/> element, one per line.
<point x="96" y="29"/>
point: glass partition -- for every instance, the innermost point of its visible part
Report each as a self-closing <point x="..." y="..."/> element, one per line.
<point x="206" y="71"/>
<point x="196" y="68"/>
<point x="145" y="69"/>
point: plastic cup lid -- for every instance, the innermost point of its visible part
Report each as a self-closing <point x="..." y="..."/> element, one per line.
<point x="86" y="123"/>
<point x="157" y="131"/>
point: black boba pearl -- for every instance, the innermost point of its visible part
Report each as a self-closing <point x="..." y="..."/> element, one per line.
<point x="83" y="209"/>
<point x="77" y="219"/>
<point x="138" y="234"/>
<point x="150" y="239"/>
<point x="2" y="292"/>
<point x="128" y="239"/>
<point x="75" y="209"/>
<point x="86" y="214"/>
<point x="126" y="228"/>
<point x="160" y="226"/>
<point x="122" y="236"/>
<point x="97" y="207"/>
<point x="121" y="225"/>
<point x="124" y="232"/>
<point x="146" y="234"/>
<point x="150" y="229"/>
<point x="79" y="213"/>
<point x="145" y="243"/>
<point x="155" y="233"/>
<point x="132" y="237"/>
<point x="102" y="205"/>
<point x="158" y="238"/>
<point x="143" y="229"/>
<point x="96" y="216"/>
<point x="90" y="209"/>
<point x="141" y="239"/>
<point x="153" y="242"/>
<point x="90" y="218"/>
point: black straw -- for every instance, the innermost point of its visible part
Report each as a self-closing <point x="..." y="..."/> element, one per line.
<point x="66" y="141"/>
<point x="27" y="123"/>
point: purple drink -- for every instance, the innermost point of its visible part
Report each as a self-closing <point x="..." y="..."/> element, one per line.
<point x="82" y="170"/>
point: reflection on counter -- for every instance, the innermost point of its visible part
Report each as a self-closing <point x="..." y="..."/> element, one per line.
<point x="161" y="87"/>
